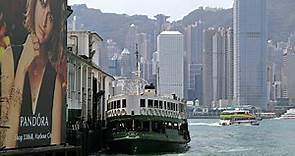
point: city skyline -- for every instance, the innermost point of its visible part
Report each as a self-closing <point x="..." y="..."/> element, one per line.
<point x="153" y="7"/>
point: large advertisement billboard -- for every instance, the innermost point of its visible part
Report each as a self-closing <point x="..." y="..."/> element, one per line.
<point x="33" y="72"/>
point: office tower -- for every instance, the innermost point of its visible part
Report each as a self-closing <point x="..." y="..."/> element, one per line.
<point x="249" y="52"/>
<point x="289" y="75"/>
<point x="229" y="52"/>
<point x="207" y="67"/>
<point x="291" y="40"/>
<point x="219" y="71"/>
<point x="130" y="44"/>
<point x="196" y="82"/>
<point x="194" y="43"/>
<point x="161" y="24"/>
<point x="144" y="54"/>
<point x="114" y="65"/>
<point x="125" y="64"/>
<point x="171" y="63"/>
<point x="193" y="49"/>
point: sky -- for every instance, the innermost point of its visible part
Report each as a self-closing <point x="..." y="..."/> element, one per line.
<point x="176" y="9"/>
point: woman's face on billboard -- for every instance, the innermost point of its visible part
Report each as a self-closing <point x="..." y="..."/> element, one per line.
<point x="43" y="20"/>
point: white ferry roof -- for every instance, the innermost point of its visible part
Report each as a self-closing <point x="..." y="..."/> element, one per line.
<point x="171" y="33"/>
<point x="155" y="97"/>
<point x="235" y="111"/>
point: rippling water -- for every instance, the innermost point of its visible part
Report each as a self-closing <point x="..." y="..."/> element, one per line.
<point x="270" y="138"/>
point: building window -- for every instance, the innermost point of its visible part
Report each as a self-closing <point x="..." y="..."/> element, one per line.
<point x="142" y="102"/>
<point x="150" y="103"/>
<point x="124" y="103"/>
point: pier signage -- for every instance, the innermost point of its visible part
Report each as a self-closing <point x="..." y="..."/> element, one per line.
<point x="33" y="72"/>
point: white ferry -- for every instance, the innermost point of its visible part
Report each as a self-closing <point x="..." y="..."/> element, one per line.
<point x="147" y="123"/>
<point x="290" y="114"/>
<point x="236" y="117"/>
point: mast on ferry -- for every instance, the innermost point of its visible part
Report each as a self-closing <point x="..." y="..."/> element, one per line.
<point x="138" y="71"/>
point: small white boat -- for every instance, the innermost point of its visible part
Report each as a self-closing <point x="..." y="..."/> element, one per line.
<point x="290" y="114"/>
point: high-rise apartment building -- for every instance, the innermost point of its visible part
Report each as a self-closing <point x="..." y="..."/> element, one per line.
<point x="249" y="48"/>
<point x="193" y="48"/>
<point x="208" y="67"/>
<point x="171" y="63"/>
<point x="229" y="57"/>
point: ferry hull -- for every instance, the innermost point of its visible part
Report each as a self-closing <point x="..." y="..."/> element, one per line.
<point x="135" y="146"/>
<point x="238" y="122"/>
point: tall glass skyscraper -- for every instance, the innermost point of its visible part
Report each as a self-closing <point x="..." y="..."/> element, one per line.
<point x="171" y="63"/>
<point x="250" y="40"/>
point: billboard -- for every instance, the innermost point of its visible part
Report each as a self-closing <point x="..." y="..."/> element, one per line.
<point x="33" y="72"/>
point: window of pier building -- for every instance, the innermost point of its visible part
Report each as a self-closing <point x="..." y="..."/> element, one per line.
<point x="142" y="102"/>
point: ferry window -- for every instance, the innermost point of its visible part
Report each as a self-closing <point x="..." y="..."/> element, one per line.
<point x="173" y="106"/>
<point x="182" y="108"/>
<point x="156" y="104"/>
<point x="161" y="104"/>
<point x="150" y="103"/>
<point x="146" y="126"/>
<point x="115" y="105"/>
<point x="176" y="107"/>
<point x="124" y="103"/>
<point x="169" y="106"/>
<point x="165" y="105"/>
<point x="142" y="102"/>
<point x="118" y="104"/>
<point x="179" y="105"/>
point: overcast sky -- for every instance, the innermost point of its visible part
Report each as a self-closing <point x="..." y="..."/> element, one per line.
<point x="176" y="9"/>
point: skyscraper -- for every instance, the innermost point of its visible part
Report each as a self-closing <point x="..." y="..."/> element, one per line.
<point x="130" y="44"/>
<point x="194" y="43"/>
<point x="171" y="63"/>
<point x="219" y="65"/>
<point x="125" y="64"/>
<point x="193" y="49"/>
<point x="249" y="52"/>
<point x="229" y="53"/>
<point x="207" y="67"/>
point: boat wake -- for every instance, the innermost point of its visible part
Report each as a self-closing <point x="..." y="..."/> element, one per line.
<point x="216" y="124"/>
<point x="234" y="150"/>
<point x="277" y="118"/>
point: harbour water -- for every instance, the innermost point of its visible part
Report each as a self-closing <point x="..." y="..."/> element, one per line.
<point x="272" y="137"/>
